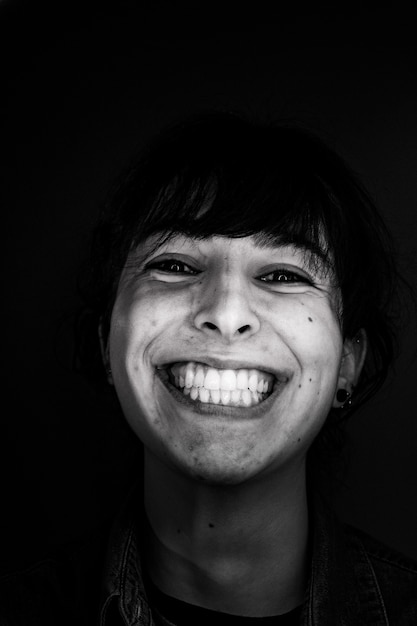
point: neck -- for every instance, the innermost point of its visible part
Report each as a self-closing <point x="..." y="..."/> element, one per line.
<point x="238" y="549"/>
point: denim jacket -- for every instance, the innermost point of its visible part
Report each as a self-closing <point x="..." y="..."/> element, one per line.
<point x="354" y="580"/>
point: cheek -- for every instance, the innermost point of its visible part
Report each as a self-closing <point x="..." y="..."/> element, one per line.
<point x="316" y="334"/>
<point x="314" y="338"/>
<point x="138" y="317"/>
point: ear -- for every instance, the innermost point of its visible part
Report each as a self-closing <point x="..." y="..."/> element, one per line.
<point x="353" y="358"/>
<point x="105" y="353"/>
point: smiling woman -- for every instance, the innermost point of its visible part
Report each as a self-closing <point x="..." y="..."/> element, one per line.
<point x="242" y="287"/>
<point x="227" y="315"/>
<point x="221" y="175"/>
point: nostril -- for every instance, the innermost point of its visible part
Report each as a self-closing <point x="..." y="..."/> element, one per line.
<point x="240" y="330"/>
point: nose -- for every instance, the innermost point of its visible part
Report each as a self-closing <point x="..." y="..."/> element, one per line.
<point x="226" y="309"/>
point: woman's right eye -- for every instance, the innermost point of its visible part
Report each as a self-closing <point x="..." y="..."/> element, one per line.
<point x="172" y="266"/>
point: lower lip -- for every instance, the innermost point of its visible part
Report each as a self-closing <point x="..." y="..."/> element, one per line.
<point x="207" y="408"/>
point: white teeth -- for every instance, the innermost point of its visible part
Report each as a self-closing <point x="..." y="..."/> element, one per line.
<point x="215" y="396"/>
<point x="228" y="387"/>
<point x="253" y="380"/>
<point x="228" y="380"/>
<point x="242" y="379"/>
<point x="189" y="375"/>
<point x="199" y="376"/>
<point x="225" y="396"/>
<point x="212" y="379"/>
<point x="204" y="394"/>
<point x="237" y="397"/>
<point x="246" y="397"/>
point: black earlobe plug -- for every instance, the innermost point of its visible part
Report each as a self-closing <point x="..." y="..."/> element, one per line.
<point x="343" y="396"/>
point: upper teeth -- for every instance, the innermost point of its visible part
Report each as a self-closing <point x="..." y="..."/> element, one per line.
<point x="188" y="375"/>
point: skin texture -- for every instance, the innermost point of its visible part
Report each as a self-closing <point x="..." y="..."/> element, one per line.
<point x="225" y="487"/>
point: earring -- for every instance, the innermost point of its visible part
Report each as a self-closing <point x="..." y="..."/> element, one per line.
<point x="344" y="397"/>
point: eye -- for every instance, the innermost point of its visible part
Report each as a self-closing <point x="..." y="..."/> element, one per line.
<point x="172" y="266"/>
<point x="284" y="276"/>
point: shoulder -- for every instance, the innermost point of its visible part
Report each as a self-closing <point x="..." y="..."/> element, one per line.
<point x="395" y="575"/>
<point x="53" y="590"/>
<point x="384" y="558"/>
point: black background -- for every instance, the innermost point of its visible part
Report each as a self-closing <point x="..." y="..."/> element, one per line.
<point x="82" y="87"/>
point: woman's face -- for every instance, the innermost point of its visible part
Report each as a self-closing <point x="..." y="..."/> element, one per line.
<point x="225" y="354"/>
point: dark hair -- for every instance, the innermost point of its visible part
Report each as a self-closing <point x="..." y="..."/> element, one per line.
<point x="227" y="175"/>
<point x="224" y="174"/>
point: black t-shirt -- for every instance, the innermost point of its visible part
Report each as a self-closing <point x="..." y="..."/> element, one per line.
<point x="171" y="611"/>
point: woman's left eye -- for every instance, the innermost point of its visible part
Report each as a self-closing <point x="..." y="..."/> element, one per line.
<point x="284" y="276"/>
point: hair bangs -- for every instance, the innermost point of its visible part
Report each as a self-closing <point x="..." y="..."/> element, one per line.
<point x="277" y="207"/>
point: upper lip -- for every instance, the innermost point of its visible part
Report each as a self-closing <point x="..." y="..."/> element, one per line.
<point x="230" y="364"/>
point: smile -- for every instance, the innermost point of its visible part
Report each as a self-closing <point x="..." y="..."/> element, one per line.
<point x="226" y="387"/>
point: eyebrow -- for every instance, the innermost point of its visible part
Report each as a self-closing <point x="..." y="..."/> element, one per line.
<point x="315" y="255"/>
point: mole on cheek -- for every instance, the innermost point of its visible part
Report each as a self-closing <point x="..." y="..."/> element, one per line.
<point x="310" y="319"/>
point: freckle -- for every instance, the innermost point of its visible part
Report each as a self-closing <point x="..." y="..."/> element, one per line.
<point x="299" y="386"/>
<point x="310" y="379"/>
<point x="309" y="319"/>
<point x="211" y="525"/>
<point x="298" y="439"/>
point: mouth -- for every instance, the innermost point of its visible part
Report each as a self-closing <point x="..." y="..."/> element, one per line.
<point x="203" y="384"/>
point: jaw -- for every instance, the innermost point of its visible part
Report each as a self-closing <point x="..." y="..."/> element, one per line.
<point x="217" y="444"/>
<point x="223" y="445"/>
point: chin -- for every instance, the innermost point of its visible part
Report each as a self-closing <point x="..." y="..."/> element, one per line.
<point x="216" y="476"/>
<point x="223" y="467"/>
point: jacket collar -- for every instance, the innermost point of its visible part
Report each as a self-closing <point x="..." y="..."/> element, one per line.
<point x="342" y="588"/>
<point x="123" y="575"/>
